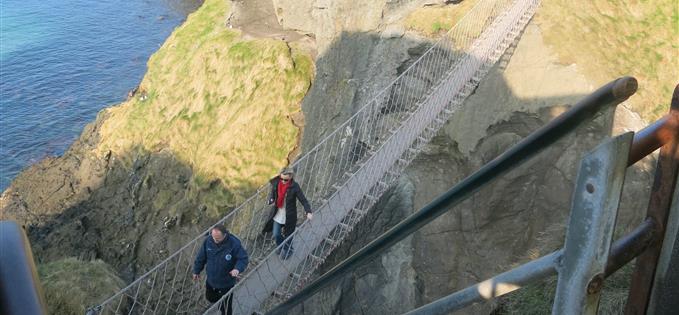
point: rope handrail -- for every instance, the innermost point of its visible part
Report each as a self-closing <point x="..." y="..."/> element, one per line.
<point x="345" y="161"/>
<point x="304" y="156"/>
<point x="402" y="126"/>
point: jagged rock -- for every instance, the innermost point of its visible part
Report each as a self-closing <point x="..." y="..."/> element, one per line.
<point x="393" y="31"/>
<point x="132" y="92"/>
<point x="169" y="222"/>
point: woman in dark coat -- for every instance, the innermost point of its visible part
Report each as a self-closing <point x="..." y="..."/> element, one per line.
<point x="282" y="219"/>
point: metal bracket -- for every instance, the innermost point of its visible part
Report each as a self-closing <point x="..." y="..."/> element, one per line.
<point x="590" y="228"/>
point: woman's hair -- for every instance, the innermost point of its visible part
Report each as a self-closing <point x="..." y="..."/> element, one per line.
<point x="221" y="228"/>
<point x="287" y="171"/>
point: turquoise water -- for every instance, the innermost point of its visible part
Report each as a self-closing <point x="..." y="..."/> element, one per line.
<point x="62" y="61"/>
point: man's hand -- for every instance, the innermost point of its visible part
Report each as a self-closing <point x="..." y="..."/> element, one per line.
<point x="309" y="216"/>
<point x="234" y="273"/>
<point x="196" y="277"/>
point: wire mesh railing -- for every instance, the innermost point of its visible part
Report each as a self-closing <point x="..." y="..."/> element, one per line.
<point x="344" y="175"/>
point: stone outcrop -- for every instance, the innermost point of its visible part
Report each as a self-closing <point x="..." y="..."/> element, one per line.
<point x="80" y="205"/>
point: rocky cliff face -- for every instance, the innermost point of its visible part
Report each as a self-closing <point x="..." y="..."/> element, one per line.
<point x="503" y="223"/>
<point x="361" y="48"/>
<point x="130" y="207"/>
<point x="90" y="207"/>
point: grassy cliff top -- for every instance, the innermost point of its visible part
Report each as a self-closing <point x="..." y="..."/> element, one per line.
<point x="436" y="20"/>
<point x="612" y="38"/>
<point x="220" y="103"/>
<point x="605" y="38"/>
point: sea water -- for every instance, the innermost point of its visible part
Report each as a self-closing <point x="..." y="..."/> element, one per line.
<point x="62" y="61"/>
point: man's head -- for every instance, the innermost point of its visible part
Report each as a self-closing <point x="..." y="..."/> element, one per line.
<point x="219" y="233"/>
<point x="286" y="174"/>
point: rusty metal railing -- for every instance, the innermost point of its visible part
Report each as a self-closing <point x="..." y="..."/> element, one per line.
<point x="658" y="211"/>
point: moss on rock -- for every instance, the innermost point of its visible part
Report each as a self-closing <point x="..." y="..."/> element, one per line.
<point x="71" y="284"/>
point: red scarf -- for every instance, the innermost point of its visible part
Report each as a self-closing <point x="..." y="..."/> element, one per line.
<point x="282" y="188"/>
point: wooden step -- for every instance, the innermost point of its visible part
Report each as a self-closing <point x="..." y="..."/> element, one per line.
<point x="295" y="276"/>
<point x="332" y="242"/>
<point x="359" y="211"/>
<point x="281" y="295"/>
<point x="345" y="226"/>
<point x="382" y="184"/>
<point x="393" y="173"/>
<point x="316" y="259"/>
<point x="370" y="197"/>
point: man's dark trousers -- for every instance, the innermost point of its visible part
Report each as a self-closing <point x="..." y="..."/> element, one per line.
<point x="213" y="295"/>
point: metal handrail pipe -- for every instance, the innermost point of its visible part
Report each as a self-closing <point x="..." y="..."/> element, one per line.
<point x="20" y="291"/>
<point x="607" y="96"/>
<point x="496" y="286"/>
<point x="630" y="246"/>
<point x="653" y="137"/>
<point x="622" y="252"/>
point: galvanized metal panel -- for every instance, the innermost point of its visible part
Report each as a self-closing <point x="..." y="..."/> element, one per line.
<point x="590" y="228"/>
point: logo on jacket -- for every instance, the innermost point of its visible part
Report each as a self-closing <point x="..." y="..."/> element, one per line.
<point x="228" y="256"/>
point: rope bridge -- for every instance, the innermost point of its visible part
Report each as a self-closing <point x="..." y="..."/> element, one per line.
<point x="343" y="175"/>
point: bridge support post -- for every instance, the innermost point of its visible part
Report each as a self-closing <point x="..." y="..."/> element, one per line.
<point x="590" y="228"/>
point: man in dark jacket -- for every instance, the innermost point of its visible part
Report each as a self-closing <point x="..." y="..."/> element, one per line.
<point x="282" y="219"/>
<point x="225" y="259"/>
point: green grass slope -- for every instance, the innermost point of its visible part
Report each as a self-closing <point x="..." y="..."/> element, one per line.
<point x="611" y="38"/>
<point x="605" y="38"/>
<point x="220" y="103"/>
<point x="70" y="285"/>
